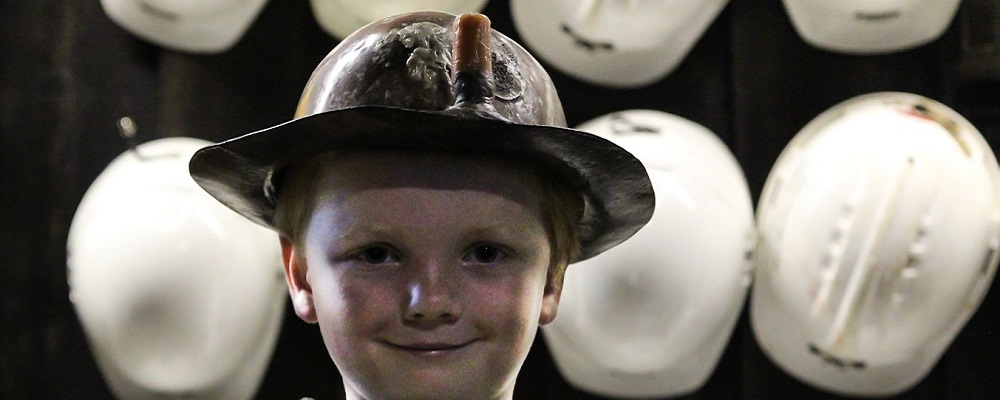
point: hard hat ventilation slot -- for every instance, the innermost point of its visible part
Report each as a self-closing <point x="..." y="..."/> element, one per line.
<point x="584" y="43"/>
<point x="877" y="16"/>
<point x="834" y="360"/>
<point x="157" y="12"/>
<point x="620" y="125"/>
<point x="989" y="259"/>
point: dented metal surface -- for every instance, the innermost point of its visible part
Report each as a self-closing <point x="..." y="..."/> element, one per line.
<point x="397" y="83"/>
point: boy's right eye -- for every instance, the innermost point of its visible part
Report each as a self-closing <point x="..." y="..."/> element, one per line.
<point x="376" y="255"/>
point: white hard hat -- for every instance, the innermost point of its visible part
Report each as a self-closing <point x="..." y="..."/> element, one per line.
<point x="879" y="228"/>
<point x="177" y="295"/>
<point x="614" y="43"/>
<point x="198" y="26"/>
<point x="340" y="18"/>
<point x="651" y="317"/>
<point x="870" y="26"/>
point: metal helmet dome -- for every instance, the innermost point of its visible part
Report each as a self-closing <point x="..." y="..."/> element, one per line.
<point x="433" y="81"/>
<point x="651" y="317"/>
<point x="879" y="229"/>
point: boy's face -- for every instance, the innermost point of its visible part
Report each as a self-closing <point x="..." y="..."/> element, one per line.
<point x="426" y="273"/>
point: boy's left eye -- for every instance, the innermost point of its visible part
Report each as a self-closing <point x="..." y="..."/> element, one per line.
<point x="377" y="255"/>
<point x="485" y="254"/>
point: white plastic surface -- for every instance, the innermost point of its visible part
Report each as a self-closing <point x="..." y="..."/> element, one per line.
<point x="879" y="228"/>
<point x="870" y="26"/>
<point x="197" y="26"/>
<point x="615" y="43"/>
<point x="651" y="317"/>
<point x="178" y="296"/>
<point x="340" y="18"/>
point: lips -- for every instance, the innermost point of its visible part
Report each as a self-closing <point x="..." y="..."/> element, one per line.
<point x="429" y="348"/>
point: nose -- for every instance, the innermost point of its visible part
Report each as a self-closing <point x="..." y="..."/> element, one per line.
<point x="432" y="297"/>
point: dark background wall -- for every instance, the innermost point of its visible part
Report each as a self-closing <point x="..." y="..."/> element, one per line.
<point x="67" y="74"/>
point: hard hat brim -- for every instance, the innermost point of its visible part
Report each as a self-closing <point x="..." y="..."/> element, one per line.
<point x="618" y="195"/>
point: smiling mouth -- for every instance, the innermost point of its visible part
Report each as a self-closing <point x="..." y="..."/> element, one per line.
<point x="428" y="349"/>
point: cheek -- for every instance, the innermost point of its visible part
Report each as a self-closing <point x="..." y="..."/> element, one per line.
<point x="510" y="309"/>
<point x="347" y="308"/>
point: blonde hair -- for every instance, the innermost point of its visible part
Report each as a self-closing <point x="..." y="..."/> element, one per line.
<point x="561" y="207"/>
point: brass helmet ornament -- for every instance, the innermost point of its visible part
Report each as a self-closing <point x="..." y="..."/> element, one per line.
<point x="434" y="81"/>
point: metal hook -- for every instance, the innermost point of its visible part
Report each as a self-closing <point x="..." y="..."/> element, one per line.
<point x="622" y="126"/>
<point x="127" y="130"/>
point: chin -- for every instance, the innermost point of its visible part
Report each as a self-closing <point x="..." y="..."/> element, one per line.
<point x="439" y="385"/>
<point x="447" y="391"/>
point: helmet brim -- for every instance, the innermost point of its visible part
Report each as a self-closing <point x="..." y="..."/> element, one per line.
<point x="618" y="195"/>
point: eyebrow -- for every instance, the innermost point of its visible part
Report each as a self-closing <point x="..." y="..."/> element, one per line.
<point x="495" y="229"/>
<point x="367" y="231"/>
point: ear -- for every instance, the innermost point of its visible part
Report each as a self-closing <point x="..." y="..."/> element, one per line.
<point x="298" y="283"/>
<point x="550" y="299"/>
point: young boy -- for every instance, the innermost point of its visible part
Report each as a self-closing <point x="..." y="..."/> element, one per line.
<point x="428" y="202"/>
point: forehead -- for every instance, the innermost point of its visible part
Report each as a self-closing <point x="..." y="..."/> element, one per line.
<point x="366" y="170"/>
<point x="430" y="194"/>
